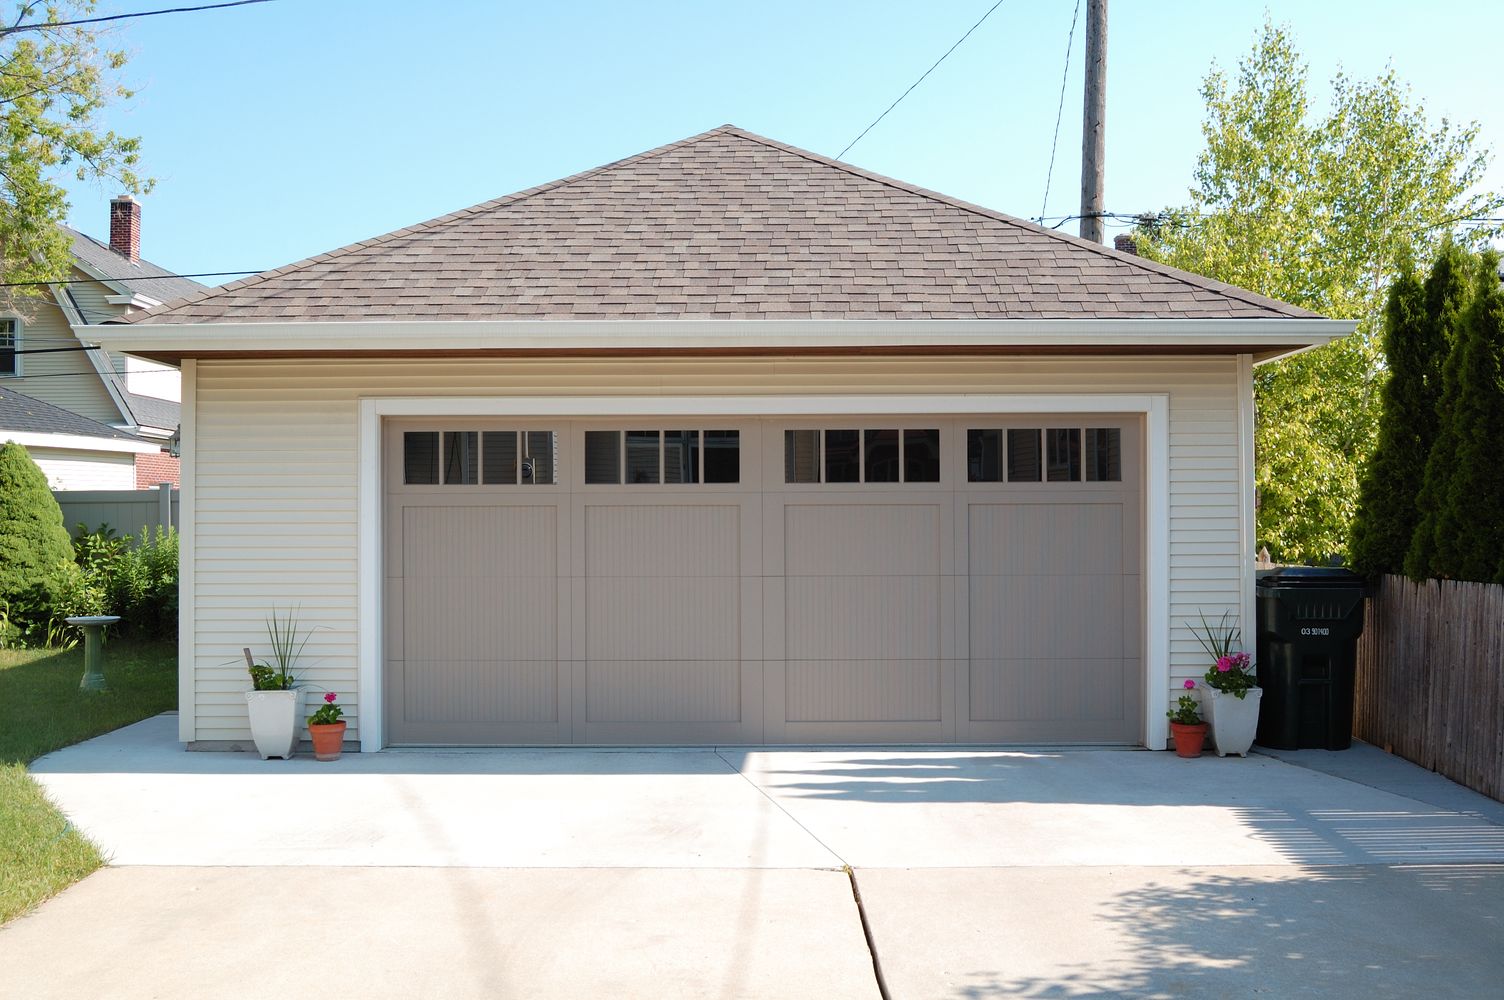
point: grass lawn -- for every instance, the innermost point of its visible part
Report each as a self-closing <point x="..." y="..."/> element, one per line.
<point x="41" y="710"/>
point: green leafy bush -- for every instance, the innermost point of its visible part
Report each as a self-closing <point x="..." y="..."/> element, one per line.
<point x="36" y="557"/>
<point x="135" y="578"/>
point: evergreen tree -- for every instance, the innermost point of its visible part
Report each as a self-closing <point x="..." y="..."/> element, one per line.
<point x="1386" y="517"/>
<point x="36" y="553"/>
<point x="1461" y="532"/>
<point x="1417" y="330"/>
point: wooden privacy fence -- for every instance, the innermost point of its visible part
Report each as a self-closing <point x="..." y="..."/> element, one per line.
<point x="1430" y="684"/>
<point x="127" y="511"/>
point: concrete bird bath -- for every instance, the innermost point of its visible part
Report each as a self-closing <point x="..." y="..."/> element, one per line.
<point x="92" y="627"/>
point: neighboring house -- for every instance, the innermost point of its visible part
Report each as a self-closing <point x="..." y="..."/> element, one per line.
<point x="42" y="357"/>
<point x="722" y="443"/>
<point x="74" y="452"/>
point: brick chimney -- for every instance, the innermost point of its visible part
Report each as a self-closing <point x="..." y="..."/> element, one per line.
<point x="125" y="227"/>
<point x="1125" y="244"/>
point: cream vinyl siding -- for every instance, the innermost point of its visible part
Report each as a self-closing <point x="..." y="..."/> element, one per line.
<point x="47" y="376"/>
<point x="79" y="470"/>
<point x="276" y="495"/>
<point x="92" y="298"/>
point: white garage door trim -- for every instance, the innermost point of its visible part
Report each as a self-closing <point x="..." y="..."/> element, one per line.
<point x="1154" y="406"/>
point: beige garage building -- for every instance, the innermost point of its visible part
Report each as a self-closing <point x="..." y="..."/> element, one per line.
<point x="722" y="443"/>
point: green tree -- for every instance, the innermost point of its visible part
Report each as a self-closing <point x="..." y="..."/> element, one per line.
<point x="55" y="81"/>
<point x="1461" y="531"/>
<point x="36" y="553"/>
<point x="1418" y="325"/>
<point x="1319" y="212"/>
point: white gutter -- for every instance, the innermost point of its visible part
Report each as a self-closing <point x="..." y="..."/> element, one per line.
<point x="1251" y="335"/>
<point x="77" y="442"/>
<point x="135" y="301"/>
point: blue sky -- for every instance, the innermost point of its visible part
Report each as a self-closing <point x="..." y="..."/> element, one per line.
<point x="286" y="129"/>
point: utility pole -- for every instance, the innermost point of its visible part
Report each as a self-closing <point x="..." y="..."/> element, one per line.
<point x="1094" y="120"/>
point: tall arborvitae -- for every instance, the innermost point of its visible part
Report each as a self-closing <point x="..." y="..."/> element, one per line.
<point x="35" y="550"/>
<point x="1447" y="291"/>
<point x="1462" y="529"/>
<point x="1413" y="349"/>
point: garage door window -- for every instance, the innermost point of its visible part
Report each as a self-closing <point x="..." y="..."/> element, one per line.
<point x="662" y="457"/>
<point x="1044" y="454"/>
<point x="867" y="455"/>
<point x="468" y="458"/>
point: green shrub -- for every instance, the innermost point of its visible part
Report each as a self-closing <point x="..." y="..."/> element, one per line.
<point x="36" y="557"/>
<point x="135" y="578"/>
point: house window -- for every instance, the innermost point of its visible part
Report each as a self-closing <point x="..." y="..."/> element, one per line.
<point x="870" y="455"/>
<point x="662" y="457"/>
<point x="10" y="343"/>
<point x="1048" y="454"/>
<point x="489" y="458"/>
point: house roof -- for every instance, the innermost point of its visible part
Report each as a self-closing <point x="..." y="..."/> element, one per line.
<point x="20" y="413"/>
<point x="139" y="276"/>
<point x="725" y="225"/>
<point x="149" y="411"/>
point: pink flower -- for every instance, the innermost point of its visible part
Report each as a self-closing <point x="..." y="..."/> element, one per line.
<point x="330" y="697"/>
<point x="1189" y="684"/>
<point x="1224" y="664"/>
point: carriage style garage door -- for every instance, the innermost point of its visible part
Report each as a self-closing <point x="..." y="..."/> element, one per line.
<point x="791" y="580"/>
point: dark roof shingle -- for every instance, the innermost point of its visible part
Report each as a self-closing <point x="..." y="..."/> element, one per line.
<point x="141" y="276"/>
<point x="723" y="225"/>
<point x="23" y="413"/>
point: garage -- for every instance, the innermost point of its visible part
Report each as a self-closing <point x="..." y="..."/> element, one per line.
<point x="763" y="580"/>
<point x="724" y="442"/>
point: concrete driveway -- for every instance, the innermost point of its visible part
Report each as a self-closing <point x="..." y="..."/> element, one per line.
<point x="719" y="873"/>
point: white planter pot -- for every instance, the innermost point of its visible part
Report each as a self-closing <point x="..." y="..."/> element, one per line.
<point x="1234" y="720"/>
<point x="275" y="716"/>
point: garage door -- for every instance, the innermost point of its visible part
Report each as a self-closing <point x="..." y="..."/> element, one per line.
<point x="763" y="581"/>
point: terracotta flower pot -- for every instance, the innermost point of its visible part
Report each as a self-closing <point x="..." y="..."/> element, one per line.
<point x="1189" y="739"/>
<point x="328" y="738"/>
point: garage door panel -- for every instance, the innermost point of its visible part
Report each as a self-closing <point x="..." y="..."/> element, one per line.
<point x="673" y="618"/>
<point x="1065" y="690"/>
<point x="883" y="617"/>
<point x="469" y="619"/>
<point x="1044" y="616"/>
<point x="480" y="691"/>
<point x="873" y="539"/>
<point x="663" y="691"/>
<point x="1009" y="539"/>
<point x="479" y="542"/>
<point x="865" y="690"/>
<point x="631" y="540"/>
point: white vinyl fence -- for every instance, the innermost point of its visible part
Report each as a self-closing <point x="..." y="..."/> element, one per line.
<point x="127" y="511"/>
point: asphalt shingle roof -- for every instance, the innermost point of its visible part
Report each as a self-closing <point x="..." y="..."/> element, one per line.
<point x="141" y="276"/>
<point x="22" y="413"/>
<point x="723" y="225"/>
<point x="150" y="411"/>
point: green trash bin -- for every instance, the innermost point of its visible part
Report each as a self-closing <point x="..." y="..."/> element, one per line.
<point x="1309" y="620"/>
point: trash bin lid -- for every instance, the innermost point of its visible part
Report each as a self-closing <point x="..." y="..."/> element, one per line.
<point x="1309" y="576"/>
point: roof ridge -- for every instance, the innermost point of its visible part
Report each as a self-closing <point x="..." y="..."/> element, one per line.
<point x="427" y="226"/>
<point x="1186" y="277"/>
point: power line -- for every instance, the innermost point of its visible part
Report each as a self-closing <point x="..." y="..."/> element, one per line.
<point x="1059" y="111"/>
<point x="49" y="25"/>
<point x="917" y="82"/>
<point x="123" y="280"/>
<point x="7" y="352"/>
